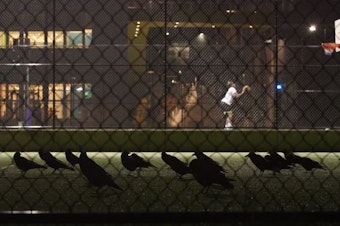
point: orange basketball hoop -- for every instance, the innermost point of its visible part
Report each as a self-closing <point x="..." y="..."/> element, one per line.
<point x="329" y="47"/>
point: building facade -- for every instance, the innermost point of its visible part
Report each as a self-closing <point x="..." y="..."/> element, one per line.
<point x="162" y="64"/>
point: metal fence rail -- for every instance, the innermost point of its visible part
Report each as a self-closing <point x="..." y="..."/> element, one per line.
<point x="238" y="81"/>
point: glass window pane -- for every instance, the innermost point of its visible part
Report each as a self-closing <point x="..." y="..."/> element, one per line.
<point x="88" y="37"/>
<point x="37" y="38"/>
<point x="2" y="39"/>
<point x="3" y="100"/>
<point x="87" y="91"/>
<point x="74" y="39"/>
<point x="13" y="35"/>
<point x="60" y="95"/>
<point x="59" y="39"/>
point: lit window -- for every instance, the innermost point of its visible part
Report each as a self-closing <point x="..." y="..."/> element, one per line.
<point x="12" y="36"/>
<point x="87" y="91"/>
<point x="59" y="38"/>
<point x="88" y="37"/>
<point x="83" y="90"/>
<point x="59" y="101"/>
<point x="37" y="38"/>
<point x="3" y="98"/>
<point x="2" y="39"/>
<point x="74" y="39"/>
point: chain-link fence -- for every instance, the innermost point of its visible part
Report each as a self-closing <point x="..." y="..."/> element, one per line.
<point x="160" y="64"/>
<point x="218" y="77"/>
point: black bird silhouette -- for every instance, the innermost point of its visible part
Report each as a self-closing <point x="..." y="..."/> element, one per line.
<point x="262" y="164"/>
<point x="52" y="161"/>
<point x="95" y="174"/>
<point x="206" y="175"/>
<point x="71" y="158"/>
<point x="175" y="164"/>
<point x="278" y="161"/>
<point x="291" y="157"/>
<point x="213" y="163"/>
<point x="132" y="161"/>
<point x="24" y="164"/>
<point x="309" y="164"/>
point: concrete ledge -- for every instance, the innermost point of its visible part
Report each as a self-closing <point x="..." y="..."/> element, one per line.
<point x="169" y="140"/>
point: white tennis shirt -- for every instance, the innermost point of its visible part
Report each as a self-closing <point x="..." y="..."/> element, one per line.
<point x="229" y="96"/>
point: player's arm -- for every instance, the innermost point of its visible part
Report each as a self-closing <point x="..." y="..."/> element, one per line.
<point x="244" y="89"/>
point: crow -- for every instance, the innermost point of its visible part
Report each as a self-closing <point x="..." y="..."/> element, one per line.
<point x="24" y="164"/>
<point x="71" y="158"/>
<point x="52" y="161"/>
<point x="132" y="161"/>
<point x="213" y="163"/>
<point x="175" y="164"/>
<point x="95" y="174"/>
<point x="305" y="162"/>
<point x="262" y="164"/>
<point x="309" y="164"/>
<point x="207" y="175"/>
<point x="278" y="160"/>
<point x="291" y="157"/>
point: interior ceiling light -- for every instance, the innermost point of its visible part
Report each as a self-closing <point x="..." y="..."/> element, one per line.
<point x="230" y="11"/>
<point x="312" y="28"/>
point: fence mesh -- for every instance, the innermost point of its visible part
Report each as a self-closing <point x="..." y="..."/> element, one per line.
<point x="221" y="67"/>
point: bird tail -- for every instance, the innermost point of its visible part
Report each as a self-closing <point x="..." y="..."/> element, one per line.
<point x="147" y="164"/>
<point x="69" y="168"/>
<point x="320" y="166"/>
<point x="114" y="185"/>
<point x="225" y="182"/>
